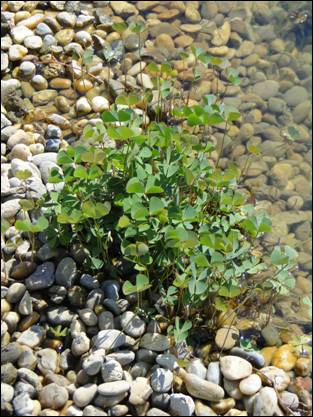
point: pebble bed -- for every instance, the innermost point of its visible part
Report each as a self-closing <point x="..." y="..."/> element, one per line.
<point x="113" y="362"/>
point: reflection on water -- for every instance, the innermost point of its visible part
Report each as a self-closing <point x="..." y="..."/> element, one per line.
<point x="270" y="45"/>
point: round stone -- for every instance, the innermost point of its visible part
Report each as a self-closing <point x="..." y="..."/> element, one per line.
<point x="27" y="69"/>
<point x="53" y="396"/>
<point x="109" y="389"/>
<point x="33" y="42"/>
<point x="17" y="52"/>
<point x="196" y="367"/>
<point x="132" y="324"/>
<point x="265" y="403"/>
<point x="234" y="368"/>
<point x="226" y="337"/>
<point x="99" y="104"/>
<point x="80" y="344"/>
<point x="284" y="358"/>
<point x="295" y="95"/>
<point x="250" y="385"/>
<point x="83" y="106"/>
<point x="266" y="89"/>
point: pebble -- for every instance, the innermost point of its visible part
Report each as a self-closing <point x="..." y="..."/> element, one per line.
<point x="161" y="380"/>
<point x="265" y="403"/>
<point x="80" y="344"/>
<point x="295" y="95"/>
<point x="278" y="376"/>
<point x="182" y="405"/>
<point x="31" y="337"/>
<point x="83" y="106"/>
<point x="200" y="388"/>
<point x="214" y="373"/>
<point x="27" y="69"/>
<point x="111" y="289"/>
<point x="196" y="367"/>
<point x="99" y="104"/>
<point x="106" y="320"/>
<point x="255" y="358"/>
<point x="15" y="292"/>
<point x="250" y="385"/>
<point x="266" y="89"/>
<point x="111" y="371"/>
<point x="42" y="278"/>
<point x="290" y="400"/>
<point x="226" y="337"/>
<point x="223" y="406"/>
<point x="109" y="339"/>
<point x="140" y="391"/>
<point x="53" y="396"/>
<point x="132" y="324"/>
<point x="284" y="358"/>
<point x="60" y="315"/>
<point x="91" y="411"/>
<point x="145" y="80"/>
<point x="234" y="368"/>
<point x="20" y="32"/>
<point x="33" y="42"/>
<point x="8" y="373"/>
<point x="25" y="305"/>
<point x="84" y="395"/>
<point x="113" y="388"/>
<point x="303" y="366"/>
<point x="124" y="357"/>
<point x="93" y="363"/>
<point x="23" y="405"/>
<point x="88" y="316"/>
<point x="66" y="272"/>
<point x="155" y="342"/>
<point x="11" y="352"/>
<point x="7" y="393"/>
<point x="156" y="412"/>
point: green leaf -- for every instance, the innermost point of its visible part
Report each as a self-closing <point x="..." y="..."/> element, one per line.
<point x="95" y="210"/>
<point x="134" y="186"/>
<point x="128" y="288"/>
<point x="156" y="206"/>
<point x="201" y="260"/>
<point x="123" y="222"/>
<point x="23" y="174"/>
<point x="63" y="158"/>
<point x="27" y="204"/>
<point x="4" y="226"/>
<point x="119" y="27"/>
<point x="229" y="291"/>
<point x="253" y="149"/>
<point x="94" y="156"/>
<point x="81" y="172"/>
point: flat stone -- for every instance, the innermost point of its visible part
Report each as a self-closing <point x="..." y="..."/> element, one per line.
<point x="266" y="89"/>
<point x="109" y="389"/>
<point x="11" y="352"/>
<point x="109" y="339"/>
<point x="10" y="208"/>
<point x="296" y="95"/>
<point x="132" y="324"/>
<point x="32" y="337"/>
<point x="200" y="388"/>
<point x="155" y="342"/>
<point x="256" y="359"/>
<point x="42" y="278"/>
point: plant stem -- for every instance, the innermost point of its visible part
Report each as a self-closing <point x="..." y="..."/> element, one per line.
<point x="222" y="146"/>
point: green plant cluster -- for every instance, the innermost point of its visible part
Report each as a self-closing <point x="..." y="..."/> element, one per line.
<point x="157" y="200"/>
<point x="150" y="193"/>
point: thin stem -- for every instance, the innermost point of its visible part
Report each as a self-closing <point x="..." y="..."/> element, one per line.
<point x="222" y="147"/>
